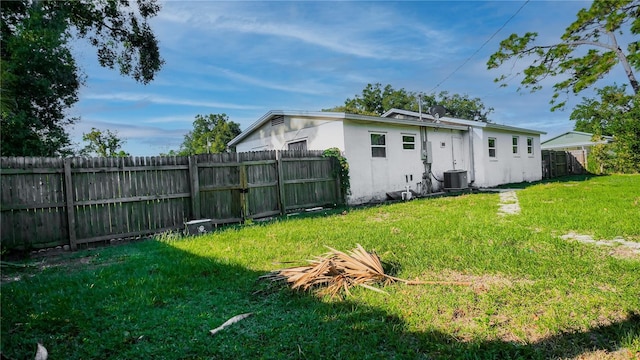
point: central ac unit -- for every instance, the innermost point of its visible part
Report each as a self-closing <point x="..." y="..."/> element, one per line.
<point x="455" y="180"/>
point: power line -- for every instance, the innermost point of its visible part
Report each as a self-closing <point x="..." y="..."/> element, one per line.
<point x="480" y="48"/>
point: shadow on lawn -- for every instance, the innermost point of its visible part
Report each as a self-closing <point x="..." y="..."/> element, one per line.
<point x="157" y="301"/>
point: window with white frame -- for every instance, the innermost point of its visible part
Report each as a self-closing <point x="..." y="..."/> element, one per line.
<point x="514" y="144"/>
<point x="378" y="145"/>
<point x="408" y="142"/>
<point x="530" y="146"/>
<point x="492" y="147"/>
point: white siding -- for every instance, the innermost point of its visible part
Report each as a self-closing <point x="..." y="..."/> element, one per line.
<point x="506" y="167"/>
<point x="372" y="178"/>
<point x="320" y="134"/>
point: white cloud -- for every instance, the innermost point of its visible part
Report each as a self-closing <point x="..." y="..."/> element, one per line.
<point x="165" y="100"/>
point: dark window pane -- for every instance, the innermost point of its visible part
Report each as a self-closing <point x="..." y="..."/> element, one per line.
<point x="377" y="139"/>
<point x="378" y="152"/>
<point x="492" y="152"/>
<point x="408" y="146"/>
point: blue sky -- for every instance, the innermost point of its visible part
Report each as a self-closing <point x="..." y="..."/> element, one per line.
<point x="246" y="58"/>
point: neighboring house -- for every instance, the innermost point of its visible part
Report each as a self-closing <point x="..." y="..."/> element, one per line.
<point x="577" y="145"/>
<point x="403" y="148"/>
<point x="574" y="140"/>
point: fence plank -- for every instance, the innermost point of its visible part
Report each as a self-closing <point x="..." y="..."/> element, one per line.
<point x="46" y="201"/>
<point x="71" y="217"/>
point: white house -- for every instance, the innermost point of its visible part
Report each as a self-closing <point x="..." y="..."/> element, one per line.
<point x="403" y="148"/>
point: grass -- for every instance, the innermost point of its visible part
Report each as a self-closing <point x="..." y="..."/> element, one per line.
<point x="534" y="295"/>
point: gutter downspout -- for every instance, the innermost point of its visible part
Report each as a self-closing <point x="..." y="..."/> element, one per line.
<point x="472" y="163"/>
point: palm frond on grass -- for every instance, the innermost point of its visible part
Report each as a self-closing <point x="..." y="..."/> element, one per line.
<point x="336" y="271"/>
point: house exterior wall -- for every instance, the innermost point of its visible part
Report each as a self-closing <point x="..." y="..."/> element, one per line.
<point x="506" y="167"/>
<point x="320" y="134"/>
<point x="372" y="178"/>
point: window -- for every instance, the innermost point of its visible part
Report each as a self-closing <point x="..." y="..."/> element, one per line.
<point x="530" y="146"/>
<point x="297" y="145"/>
<point x="378" y="145"/>
<point x="514" y="143"/>
<point x="492" y="147"/>
<point x="408" y="142"/>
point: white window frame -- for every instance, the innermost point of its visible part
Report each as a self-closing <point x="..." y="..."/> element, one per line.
<point x="408" y="145"/>
<point x="530" y="146"/>
<point x="494" y="147"/>
<point x="515" y="145"/>
<point x="376" y="147"/>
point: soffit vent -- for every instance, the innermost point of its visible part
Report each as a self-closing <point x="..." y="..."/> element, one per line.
<point x="278" y="120"/>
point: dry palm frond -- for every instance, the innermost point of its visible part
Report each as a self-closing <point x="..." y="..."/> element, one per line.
<point x="338" y="271"/>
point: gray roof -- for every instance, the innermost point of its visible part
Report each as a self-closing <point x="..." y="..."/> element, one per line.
<point x="573" y="139"/>
<point x="340" y="116"/>
<point x="462" y="122"/>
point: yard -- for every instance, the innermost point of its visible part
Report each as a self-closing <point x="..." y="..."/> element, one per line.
<point x="534" y="293"/>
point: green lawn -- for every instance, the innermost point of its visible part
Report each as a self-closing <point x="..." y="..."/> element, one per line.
<point x="534" y="295"/>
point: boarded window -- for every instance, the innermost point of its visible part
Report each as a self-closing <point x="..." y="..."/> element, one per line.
<point x="378" y="145"/>
<point x="530" y="145"/>
<point x="297" y="145"/>
<point x="492" y="147"/>
<point x="514" y="143"/>
<point x="408" y="142"/>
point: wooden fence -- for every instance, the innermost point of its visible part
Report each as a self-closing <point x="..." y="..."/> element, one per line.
<point x="51" y="201"/>
<point x="560" y="163"/>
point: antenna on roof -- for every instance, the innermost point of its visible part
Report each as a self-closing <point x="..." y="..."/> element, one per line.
<point x="437" y="111"/>
<point x="420" y="105"/>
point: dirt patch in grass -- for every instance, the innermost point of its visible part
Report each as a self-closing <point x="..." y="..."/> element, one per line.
<point x="620" y="247"/>
<point x="621" y="354"/>
<point x="43" y="261"/>
<point x="509" y="204"/>
<point x="479" y="283"/>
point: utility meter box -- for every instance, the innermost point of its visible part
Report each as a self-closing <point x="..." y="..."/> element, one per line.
<point x="197" y="227"/>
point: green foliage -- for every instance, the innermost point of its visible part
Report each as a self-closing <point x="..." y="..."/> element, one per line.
<point x="534" y="295"/>
<point x="616" y="114"/>
<point x="375" y="101"/>
<point x="210" y="134"/>
<point x="103" y="144"/>
<point x="594" y="30"/>
<point x="40" y="79"/>
<point x="39" y="84"/>
<point x="345" y="184"/>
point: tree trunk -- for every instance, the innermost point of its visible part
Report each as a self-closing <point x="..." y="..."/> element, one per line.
<point x="625" y="63"/>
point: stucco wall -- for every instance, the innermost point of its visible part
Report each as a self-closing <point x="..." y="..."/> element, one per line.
<point x="506" y="167"/>
<point x="372" y="177"/>
<point x="269" y="137"/>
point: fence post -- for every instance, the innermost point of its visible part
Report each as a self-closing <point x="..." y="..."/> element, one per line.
<point x="195" y="187"/>
<point x="281" y="192"/>
<point x="244" y="192"/>
<point x="71" y="214"/>
<point x="337" y="170"/>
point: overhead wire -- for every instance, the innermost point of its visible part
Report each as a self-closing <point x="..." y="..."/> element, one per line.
<point x="480" y="48"/>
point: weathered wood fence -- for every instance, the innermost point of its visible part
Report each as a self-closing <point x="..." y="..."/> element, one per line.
<point x="559" y="163"/>
<point x="52" y="201"/>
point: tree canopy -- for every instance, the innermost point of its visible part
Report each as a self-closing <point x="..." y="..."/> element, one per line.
<point x="40" y="78"/>
<point x="103" y="143"/>
<point x="376" y="100"/>
<point x="586" y="52"/>
<point x="210" y="134"/>
<point x="616" y="114"/>
<point x="40" y="83"/>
